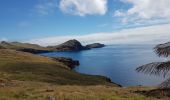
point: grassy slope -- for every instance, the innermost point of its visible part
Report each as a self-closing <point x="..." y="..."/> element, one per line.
<point x="24" y="76"/>
<point x="21" y="90"/>
<point x="18" y="45"/>
<point x="28" y="67"/>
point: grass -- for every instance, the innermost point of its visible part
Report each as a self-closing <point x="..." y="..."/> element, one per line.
<point x="17" y="45"/>
<point x="25" y="76"/>
<point x="41" y="91"/>
<point x="15" y="65"/>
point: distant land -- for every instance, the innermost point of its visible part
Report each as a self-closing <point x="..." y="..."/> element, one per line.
<point x="95" y="45"/>
<point x="70" y="45"/>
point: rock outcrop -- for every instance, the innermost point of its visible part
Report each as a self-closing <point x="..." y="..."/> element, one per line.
<point x="68" y="62"/>
<point x="95" y="45"/>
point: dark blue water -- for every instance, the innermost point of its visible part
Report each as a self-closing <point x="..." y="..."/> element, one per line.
<point x="117" y="62"/>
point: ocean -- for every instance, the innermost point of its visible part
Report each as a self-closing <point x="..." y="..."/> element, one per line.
<point x="117" y="62"/>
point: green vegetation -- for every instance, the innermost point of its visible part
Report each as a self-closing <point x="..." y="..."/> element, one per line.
<point x="15" y="65"/>
<point x="18" y="45"/>
<point x="26" y="47"/>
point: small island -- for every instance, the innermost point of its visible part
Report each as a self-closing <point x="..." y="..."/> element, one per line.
<point x="95" y="45"/>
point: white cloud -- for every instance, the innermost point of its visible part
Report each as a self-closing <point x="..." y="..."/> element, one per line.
<point x="143" y="35"/>
<point x="119" y="13"/>
<point x="44" y="7"/>
<point x="144" y="10"/>
<point x="83" y="7"/>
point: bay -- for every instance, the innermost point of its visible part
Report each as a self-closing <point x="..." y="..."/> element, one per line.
<point x="118" y="62"/>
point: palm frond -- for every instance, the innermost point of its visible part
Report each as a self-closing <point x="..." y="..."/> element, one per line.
<point x="165" y="84"/>
<point x="163" y="49"/>
<point x="156" y="68"/>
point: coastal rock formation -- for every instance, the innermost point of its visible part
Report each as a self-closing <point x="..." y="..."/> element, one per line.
<point x="95" y="45"/>
<point x="71" y="45"/>
<point x="34" y="51"/>
<point x="68" y="62"/>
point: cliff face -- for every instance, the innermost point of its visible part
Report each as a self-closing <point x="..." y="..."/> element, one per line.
<point x="71" y="45"/>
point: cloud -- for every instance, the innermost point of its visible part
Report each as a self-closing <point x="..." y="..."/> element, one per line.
<point x="119" y="13"/>
<point x="74" y="7"/>
<point x="83" y="7"/>
<point x="45" y="7"/>
<point x="144" y="35"/>
<point x="145" y="10"/>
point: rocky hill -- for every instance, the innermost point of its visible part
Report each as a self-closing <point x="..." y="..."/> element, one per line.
<point x="74" y="45"/>
<point x="71" y="45"/>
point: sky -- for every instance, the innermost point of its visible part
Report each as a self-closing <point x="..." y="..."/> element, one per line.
<point x="50" y="22"/>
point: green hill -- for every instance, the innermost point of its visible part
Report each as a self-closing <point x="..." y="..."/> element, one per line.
<point x="26" y="47"/>
<point x="15" y="65"/>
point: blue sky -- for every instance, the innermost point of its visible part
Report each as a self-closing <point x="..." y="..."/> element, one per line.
<point x="37" y="20"/>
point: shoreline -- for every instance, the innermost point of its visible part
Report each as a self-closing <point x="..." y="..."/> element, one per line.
<point x="71" y="63"/>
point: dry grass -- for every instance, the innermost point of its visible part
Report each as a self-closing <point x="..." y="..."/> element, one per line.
<point x="8" y="55"/>
<point x="18" y="45"/>
<point x="41" y="91"/>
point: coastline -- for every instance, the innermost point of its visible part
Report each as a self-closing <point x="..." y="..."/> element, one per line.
<point x="71" y="63"/>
